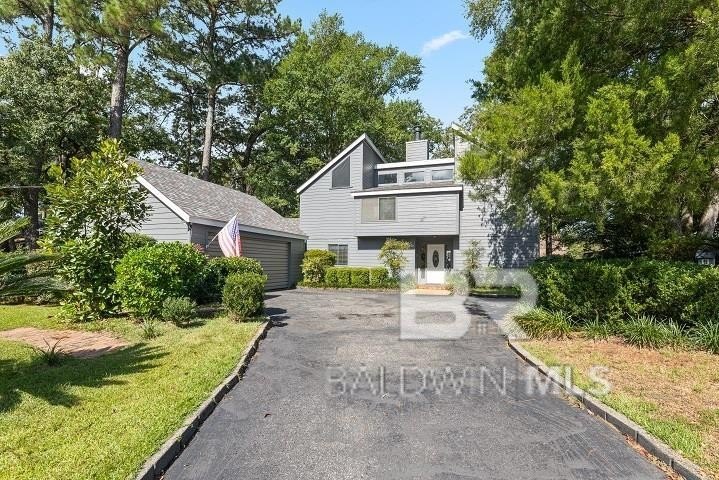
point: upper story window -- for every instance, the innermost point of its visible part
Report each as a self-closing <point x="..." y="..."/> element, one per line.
<point x="387" y="208"/>
<point x="386" y="178"/>
<point x="412" y="177"/>
<point x="444" y="174"/>
<point x="375" y="209"/>
<point x="341" y="174"/>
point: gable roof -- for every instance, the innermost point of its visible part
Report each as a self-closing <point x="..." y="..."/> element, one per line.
<point x="197" y="201"/>
<point x="340" y="156"/>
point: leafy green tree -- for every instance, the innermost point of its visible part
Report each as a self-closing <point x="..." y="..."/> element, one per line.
<point x="608" y="132"/>
<point x="50" y="111"/>
<point x="40" y="14"/>
<point x="222" y="45"/>
<point x="91" y="207"/>
<point x="123" y="25"/>
<point x="392" y="254"/>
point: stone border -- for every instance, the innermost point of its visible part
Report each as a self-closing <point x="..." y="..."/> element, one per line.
<point x="156" y="465"/>
<point x="346" y="289"/>
<point x="686" y="468"/>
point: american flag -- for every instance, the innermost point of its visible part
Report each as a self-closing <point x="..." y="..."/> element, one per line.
<point x="229" y="238"/>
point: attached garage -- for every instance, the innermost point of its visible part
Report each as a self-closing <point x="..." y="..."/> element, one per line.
<point x="188" y="209"/>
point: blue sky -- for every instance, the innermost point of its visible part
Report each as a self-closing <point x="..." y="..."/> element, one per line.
<point x="435" y="30"/>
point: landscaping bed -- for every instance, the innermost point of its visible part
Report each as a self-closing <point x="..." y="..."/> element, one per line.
<point x="671" y="393"/>
<point x="102" y="417"/>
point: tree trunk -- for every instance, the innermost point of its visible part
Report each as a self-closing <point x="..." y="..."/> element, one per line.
<point x="708" y="222"/>
<point x="48" y="22"/>
<point x="209" y="126"/>
<point x="31" y="202"/>
<point x="117" y="100"/>
<point x="549" y="238"/>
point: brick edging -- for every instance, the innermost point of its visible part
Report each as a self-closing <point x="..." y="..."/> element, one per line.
<point x="158" y="463"/>
<point x="686" y="468"/>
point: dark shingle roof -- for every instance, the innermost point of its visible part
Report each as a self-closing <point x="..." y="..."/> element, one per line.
<point x="206" y="200"/>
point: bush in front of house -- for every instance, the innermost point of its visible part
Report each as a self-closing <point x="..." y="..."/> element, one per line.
<point x="542" y="324"/>
<point x="314" y="266"/>
<point x="378" y="277"/>
<point x="243" y="295"/>
<point x="147" y="276"/>
<point x="179" y="310"/>
<point x="217" y="271"/>
<point x="392" y="254"/>
<point x="133" y="241"/>
<point x="359" y="277"/>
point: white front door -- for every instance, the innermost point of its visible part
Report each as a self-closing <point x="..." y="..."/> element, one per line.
<point x="435" y="263"/>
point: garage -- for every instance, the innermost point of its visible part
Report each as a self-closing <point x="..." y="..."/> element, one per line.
<point x="274" y="256"/>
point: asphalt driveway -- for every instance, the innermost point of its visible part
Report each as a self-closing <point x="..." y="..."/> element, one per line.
<point x="334" y="393"/>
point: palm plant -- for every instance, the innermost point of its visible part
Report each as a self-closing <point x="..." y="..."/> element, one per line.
<point x="15" y="280"/>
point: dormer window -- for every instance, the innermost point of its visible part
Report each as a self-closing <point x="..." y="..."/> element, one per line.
<point x="386" y="178"/>
<point x="341" y="174"/>
<point x="413" y="177"/>
<point x="442" y="175"/>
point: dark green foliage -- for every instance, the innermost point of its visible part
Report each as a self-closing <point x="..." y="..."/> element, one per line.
<point x="133" y="241"/>
<point x="360" y="277"/>
<point x="179" y="310"/>
<point x="613" y="290"/>
<point x="51" y="355"/>
<point x="539" y="323"/>
<point x="91" y="208"/>
<point x="596" y="329"/>
<point x="243" y="295"/>
<point x="149" y="275"/>
<point x="378" y="276"/>
<point x="217" y="271"/>
<point x="682" y="248"/>
<point x="315" y="264"/>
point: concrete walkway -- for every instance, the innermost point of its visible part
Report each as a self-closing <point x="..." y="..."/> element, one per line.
<point x="333" y="393"/>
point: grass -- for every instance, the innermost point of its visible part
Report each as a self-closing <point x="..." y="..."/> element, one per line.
<point x="671" y="393"/>
<point x="102" y="417"/>
<point x="543" y="324"/>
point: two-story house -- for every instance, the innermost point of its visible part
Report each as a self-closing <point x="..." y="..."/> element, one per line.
<point x="358" y="200"/>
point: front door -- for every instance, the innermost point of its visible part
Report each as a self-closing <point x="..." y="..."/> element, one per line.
<point x="435" y="263"/>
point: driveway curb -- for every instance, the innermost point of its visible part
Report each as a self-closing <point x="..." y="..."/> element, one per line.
<point x="163" y="458"/>
<point x="686" y="468"/>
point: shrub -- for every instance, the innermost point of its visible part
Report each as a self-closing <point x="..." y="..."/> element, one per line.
<point x="89" y="213"/>
<point x="149" y="329"/>
<point x="645" y="331"/>
<point x="676" y="248"/>
<point x="706" y="336"/>
<point x="149" y="275"/>
<point x="331" y="277"/>
<point x="217" y="271"/>
<point x="359" y="277"/>
<point x="596" y="329"/>
<point x="344" y="277"/>
<point x="133" y="241"/>
<point x="539" y="323"/>
<point x="472" y="256"/>
<point x="243" y="295"/>
<point x="458" y="283"/>
<point x="179" y="310"/>
<point x="392" y="255"/>
<point x="315" y="264"/>
<point x="378" y="276"/>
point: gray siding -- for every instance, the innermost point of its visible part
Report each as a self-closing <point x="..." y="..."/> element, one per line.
<point x="326" y="214"/>
<point x="280" y="256"/>
<point x="371" y="159"/>
<point x="503" y="243"/>
<point x="416" y="214"/>
<point x="417" y="150"/>
<point x="162" y="224"/>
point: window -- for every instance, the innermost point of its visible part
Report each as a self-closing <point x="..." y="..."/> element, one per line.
<point x="412" y="177"/>
<point x="341" y="174"/>
<point x="385" y="178"/>
<point x="376" y="209"/>
<point x="439" y="175"/>
<point x="387" y="209"/>
<point x="340" y="252"/>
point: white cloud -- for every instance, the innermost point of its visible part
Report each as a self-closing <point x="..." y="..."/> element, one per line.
<point x="442" y="41"/>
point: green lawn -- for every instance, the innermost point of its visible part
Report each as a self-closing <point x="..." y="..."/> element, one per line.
<point x="102" y="417"/>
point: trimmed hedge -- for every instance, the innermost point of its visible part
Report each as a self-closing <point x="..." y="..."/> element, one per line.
<point x="315" y="264"/>
<point x="146" y="276"/>
<point x="358" y="277"/>
<point x="244" y="295"/>
<point x="217" y="271"/>
<point x="620" y="289"/>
